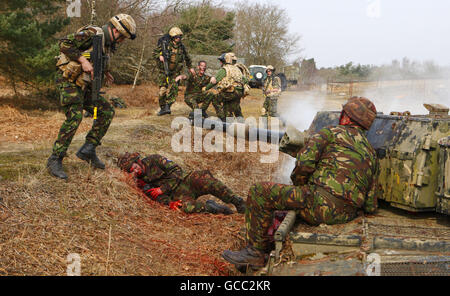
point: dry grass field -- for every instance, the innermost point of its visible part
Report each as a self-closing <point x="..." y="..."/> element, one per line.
<point x="100" y="215"/>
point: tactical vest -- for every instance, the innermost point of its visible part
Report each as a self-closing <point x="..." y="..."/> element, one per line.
<point x="176" y="58"/>
<point x="232" y="80"/>
<point x="72" y="70"/>
<point x="268" y="86"/>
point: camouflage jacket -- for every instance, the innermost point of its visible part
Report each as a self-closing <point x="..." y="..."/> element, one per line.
<point x="178" y="56"/>
<point x="271" y="83"/>
<point x="194" y="84"/>
<point x="341" y="160"/>
<point x="162" y="172"/>
<point x="78" y="44"/>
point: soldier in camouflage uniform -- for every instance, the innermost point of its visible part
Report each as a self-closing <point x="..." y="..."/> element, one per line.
<point x="272" y="91"/>
<point x="165" y="181"/>
<point x="335" y="177"/>
<point x="74" y="83"/>
<point x="229" y="83"/>
<point x="193" y="95"/>
<point x="177" y="53"/>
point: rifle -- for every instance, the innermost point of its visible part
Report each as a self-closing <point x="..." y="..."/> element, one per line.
<point x="164" y="43"/>
<point x="98" y="61"/>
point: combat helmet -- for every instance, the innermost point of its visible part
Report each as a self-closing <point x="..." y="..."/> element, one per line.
<point x="232" y="56"/>
<point x="126" y="160"/>
<point x="361" y="110"/>
<point x="175" y="31"/>
<point x="271" y="68"/>
<point x="227" y="58"/>
<point x="125" y="24"/>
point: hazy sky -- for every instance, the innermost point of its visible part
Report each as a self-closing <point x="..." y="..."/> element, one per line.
<point x="335" y="32"/>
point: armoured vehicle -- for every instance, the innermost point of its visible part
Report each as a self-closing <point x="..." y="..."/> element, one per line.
<point x="409" y="234"/>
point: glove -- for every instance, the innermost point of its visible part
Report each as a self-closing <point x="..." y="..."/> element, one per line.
<point x="175" y="205"/>
<point x="154" y="192"/>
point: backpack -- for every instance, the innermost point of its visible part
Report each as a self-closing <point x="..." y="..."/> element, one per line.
<point x="246" y="78"/>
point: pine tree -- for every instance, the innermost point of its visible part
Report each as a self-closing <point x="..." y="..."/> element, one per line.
<point x="207" y="30"/>
<point x="27" y="43"/>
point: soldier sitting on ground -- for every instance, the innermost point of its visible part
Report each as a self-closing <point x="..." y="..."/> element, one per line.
<point x="335" y="177"/>
<point x="193" y="95"/>
<point x="166" y="182"/>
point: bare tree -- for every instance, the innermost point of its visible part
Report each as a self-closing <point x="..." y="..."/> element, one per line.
<point x="261" y="34"/>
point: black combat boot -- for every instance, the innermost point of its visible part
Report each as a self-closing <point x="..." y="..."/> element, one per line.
<point x="54" y="165"/>
<point x="247" y="257"/>
<point x="239" y="203"/>
<point x="191" y="115"/>
<point x="87" y="153"/>
<point x="164" y="110"/>
<point x="215" y="208"/>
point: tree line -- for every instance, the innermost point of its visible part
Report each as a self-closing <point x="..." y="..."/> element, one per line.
<point x="405" y="69"/>
<point x="31" y="30"/>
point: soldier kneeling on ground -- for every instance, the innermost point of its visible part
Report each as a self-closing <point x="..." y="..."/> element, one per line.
<point x="335" y="178"/>
<point x="166" y="182"/>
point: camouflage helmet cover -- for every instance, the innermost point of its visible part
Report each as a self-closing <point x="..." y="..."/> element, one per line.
<point x="233" y="57"/>
<point x="126" y="160"/>
<point x="271" y="68"/>
<point x="361" y="110"/>
<point x="175" y="31"/>
<point x="228" y="58"/>
<point x="125" y="24"/>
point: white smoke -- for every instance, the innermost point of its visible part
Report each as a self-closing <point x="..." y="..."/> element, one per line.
<point x="299" y="109"/>
<point x="408" y="95"/>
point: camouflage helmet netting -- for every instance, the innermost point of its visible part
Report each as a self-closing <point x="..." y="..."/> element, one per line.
<point x="361" y="110"/>
<point x="126" y="160"/>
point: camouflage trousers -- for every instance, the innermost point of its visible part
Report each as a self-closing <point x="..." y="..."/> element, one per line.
<point x="312" y="207"/>
<point x="271" y="105"/>
<point x="194" y="100"/>
<point x="74" y="100"/>
<point x="228" y="104"/>
<point x="200" y="183"/>
<point x="168" y="92"/>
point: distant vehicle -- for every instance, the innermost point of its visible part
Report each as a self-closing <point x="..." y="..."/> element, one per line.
<point x="257" y="75"/>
